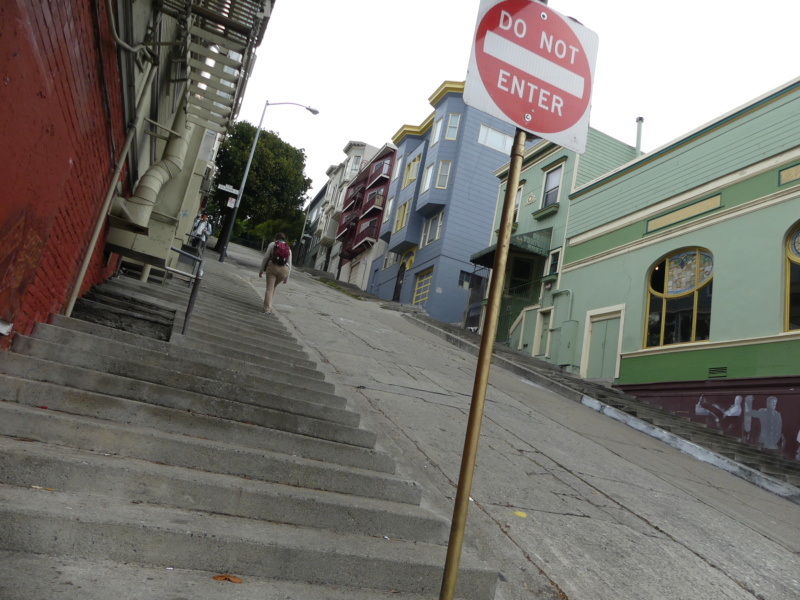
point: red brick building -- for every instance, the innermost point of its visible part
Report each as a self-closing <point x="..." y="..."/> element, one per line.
<point x="94" y="105"/>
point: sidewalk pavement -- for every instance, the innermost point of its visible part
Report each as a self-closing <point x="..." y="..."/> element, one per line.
<point x="567" y="503"/>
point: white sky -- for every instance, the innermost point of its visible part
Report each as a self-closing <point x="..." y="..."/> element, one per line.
<point x="369" y="66"/>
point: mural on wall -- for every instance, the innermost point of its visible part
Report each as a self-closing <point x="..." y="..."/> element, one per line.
<point x="759" y="413"/>
<point x="737" y="421"/>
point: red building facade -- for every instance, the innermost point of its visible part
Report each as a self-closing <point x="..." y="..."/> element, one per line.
<point x="365" y="205"/>
<point x="61" y="127"/>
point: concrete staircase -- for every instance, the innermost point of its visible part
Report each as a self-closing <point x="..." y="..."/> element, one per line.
<point x="135" y="467"/>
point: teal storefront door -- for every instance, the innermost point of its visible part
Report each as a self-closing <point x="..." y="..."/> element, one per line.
<point x="603" y="345"/>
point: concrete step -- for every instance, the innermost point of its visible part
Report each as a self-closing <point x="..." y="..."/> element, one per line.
<point x="85" y="352"/>
<point x="237" y="294"/>
<point x="229" y="350"/>
<point x="28" y="464"/>
<point x="47" y="396"/>
<point x="36" y="576"/>
<point x="123" y="319"/>
<point x="181" y="450"/>
<point x="187" y="350"/>
<point x="26" y="367"/>
<point x="209" y="311"/>
<point x="257" y="326"/>
<point x="254" y="346"/>
<point x="131" y="458"/>
<point x="91" y="527"/>
<point x="292" y="384"/>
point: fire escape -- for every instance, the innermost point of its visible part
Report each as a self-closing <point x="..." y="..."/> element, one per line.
<point x="349" y="220"/>
<point x="218" y="54"/>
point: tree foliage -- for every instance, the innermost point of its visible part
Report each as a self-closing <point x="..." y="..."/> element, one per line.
<point x="276" y="187"/>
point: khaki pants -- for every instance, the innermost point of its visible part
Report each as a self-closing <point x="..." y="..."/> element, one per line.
<point x="275" y="275"/>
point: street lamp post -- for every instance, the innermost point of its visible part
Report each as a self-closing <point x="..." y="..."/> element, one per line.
<point x="226" y="236"/>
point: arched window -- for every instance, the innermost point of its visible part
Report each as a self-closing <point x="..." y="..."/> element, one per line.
<point x="679" y="298"/>
<point x="792" y="310"/>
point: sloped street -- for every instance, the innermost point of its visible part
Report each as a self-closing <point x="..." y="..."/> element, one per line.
<point x="314" y="454"/>
<point x="563" y="496"/>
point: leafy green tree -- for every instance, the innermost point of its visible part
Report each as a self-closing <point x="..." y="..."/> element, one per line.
<point x="276" y="187"/>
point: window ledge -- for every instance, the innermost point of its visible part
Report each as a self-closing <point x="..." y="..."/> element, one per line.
<point x="513" y="229"/>
<point x="545" y="212"/>
<point x="551" y="277"/>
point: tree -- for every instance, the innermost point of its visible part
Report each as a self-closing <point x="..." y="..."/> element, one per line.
<point x="276" y="184"/>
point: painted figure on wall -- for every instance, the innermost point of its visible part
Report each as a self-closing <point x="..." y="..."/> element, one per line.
<point x="726" y="419"/>
<point x="770" y="436"/>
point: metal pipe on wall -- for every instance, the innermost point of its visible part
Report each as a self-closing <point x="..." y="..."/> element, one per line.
<point x="101" y="219"/>
<point x="140" y="205"/>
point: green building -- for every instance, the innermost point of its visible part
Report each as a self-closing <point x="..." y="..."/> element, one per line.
<point x="549" y="174"/>
<point x="680" y="276"/>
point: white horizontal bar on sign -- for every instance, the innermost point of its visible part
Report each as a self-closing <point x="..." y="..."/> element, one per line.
<point x="533" y="64"/>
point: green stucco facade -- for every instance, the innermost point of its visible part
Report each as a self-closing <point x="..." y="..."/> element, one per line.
<point x="737" y="210"/>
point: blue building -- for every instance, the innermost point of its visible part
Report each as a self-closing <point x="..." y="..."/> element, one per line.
<point x="305" y="253"/>
<point x="440" y="206"/>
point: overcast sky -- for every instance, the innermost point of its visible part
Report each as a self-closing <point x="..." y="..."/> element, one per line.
<point x="369" y="66"/>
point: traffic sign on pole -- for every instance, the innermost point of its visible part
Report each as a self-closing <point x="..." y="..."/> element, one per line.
<point x="532" y="67"/>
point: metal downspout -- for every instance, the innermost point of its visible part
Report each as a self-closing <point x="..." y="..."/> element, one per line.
<point x="140" y="205"/>
<point x="113" y="27"/>
<point x="565" y="291"/>
<point x="140" y="111"/>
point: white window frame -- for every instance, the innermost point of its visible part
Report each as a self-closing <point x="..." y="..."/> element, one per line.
<point x="388" y="210"/>
<point x="436" y="133"/>
<point x="390" y="259"/>
<point x="495" y="139"/>
<point x="426" y="237"/>
<point x="396" y="170"/>
<point x="548" y="268"/>
<point x="452" y="127"/>
<point x="355" y="162"/>
<point x="517" y="204"/>
<point x="557" y="188"/>
<point x="427" y="177"/>
<point x="439" y="184"/>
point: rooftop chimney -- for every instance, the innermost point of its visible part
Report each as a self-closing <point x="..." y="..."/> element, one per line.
<point x="639" y="121"/>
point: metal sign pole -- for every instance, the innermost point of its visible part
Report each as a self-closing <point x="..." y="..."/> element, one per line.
<point x="232" y="219"/>
<point x="482" y="374"/>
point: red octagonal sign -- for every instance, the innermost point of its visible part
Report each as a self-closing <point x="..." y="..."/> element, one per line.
<point x="535" y="67"/>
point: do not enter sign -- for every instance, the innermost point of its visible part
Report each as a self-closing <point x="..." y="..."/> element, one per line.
<point x="532" y="67"/>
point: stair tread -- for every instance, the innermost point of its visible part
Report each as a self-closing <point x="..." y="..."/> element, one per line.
<point x="91" y="405"/>
<point x="155" y="534"/>
<point x="177" y="449"/>
<point x="29" y="463"/>
<point x="37" y="575"/>
<point x="153" y="393"/>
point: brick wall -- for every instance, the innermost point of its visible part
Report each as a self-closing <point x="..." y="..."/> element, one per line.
<point x="62" y="130"/>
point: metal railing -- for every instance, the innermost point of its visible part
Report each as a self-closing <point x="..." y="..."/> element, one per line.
<point x="195" y="277"/>
<point x="514" y="300"/>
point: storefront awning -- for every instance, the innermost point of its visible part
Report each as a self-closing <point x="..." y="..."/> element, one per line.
<point x="536" y="243"/>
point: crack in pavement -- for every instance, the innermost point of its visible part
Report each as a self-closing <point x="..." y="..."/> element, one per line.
<point x="622" y="507"/>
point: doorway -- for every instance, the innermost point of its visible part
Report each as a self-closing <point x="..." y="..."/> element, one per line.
<point x="602" y="344"/>
<point x="398" y="285"/>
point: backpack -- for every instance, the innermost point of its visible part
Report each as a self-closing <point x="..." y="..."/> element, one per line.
<point x="280" y="253"/>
